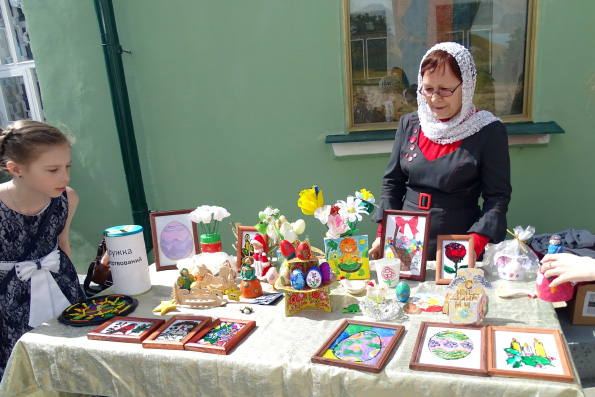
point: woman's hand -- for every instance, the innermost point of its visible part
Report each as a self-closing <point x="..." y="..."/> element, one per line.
<point x="568" y="267"/>
<point x="375" y="250"/>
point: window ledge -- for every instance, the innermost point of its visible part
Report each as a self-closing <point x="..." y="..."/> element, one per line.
<point x="376" y="142"/>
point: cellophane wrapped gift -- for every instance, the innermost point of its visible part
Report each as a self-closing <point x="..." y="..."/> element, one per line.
<point x="512" y="259"/>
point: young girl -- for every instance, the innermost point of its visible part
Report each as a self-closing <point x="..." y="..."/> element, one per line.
<point x="37" y="278"/>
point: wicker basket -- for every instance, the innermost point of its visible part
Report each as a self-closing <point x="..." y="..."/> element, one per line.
<point x="406" y="258"/>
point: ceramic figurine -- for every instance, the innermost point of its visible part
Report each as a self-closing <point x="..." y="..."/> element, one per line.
<point x="352" y="308"/>
<point x="261" y="261"/>
<point x="377" y="294"/>
<point x="250" y="285"/>
<point x="186" y="279"/>
<point x="247" y="310"/>
<point x="555" y="246"/>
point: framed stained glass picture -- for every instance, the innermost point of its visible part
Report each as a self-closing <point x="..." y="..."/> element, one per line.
<point x="125" y="329"/>
<point x="361" y="345"/>
<point x="221" y="336"/>
<point x="176" y="332"/>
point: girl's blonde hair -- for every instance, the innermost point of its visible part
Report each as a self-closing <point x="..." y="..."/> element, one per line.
<point x="24" y="140"/>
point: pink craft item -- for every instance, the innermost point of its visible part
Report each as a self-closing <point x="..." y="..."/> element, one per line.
<point x="562" y="293"/>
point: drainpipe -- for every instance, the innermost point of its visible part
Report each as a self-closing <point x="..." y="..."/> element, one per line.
<point x="112" y="52"/>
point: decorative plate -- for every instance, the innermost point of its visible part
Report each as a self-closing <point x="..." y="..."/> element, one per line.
<point x="97" y="309"/>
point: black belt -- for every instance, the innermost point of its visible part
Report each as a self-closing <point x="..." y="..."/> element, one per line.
<point x="425" y="201"/>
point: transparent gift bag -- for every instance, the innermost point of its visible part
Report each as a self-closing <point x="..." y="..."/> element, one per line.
<point x="512" y="259"/>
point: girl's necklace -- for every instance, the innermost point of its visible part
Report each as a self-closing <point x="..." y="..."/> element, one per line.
<point x="14" y="201"/>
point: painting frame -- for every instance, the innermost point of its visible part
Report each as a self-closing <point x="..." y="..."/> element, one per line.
<point x="100" y="333"/>
<point x="151" y="342"/>
<point x="225" y="349"/>
<point x="378" y="366"/>
<point x="497" y="333"/>
<point x="390" y="231"/>
<point x="420" y="364"/>
<point x="243" y="232"/>
<point x="467" y="241"/>
<point x="158" y="222"/>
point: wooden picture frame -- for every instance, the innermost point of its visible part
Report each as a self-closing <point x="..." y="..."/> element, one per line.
<point x="397" y="241"/>
<point x="530" y="353"/>
<point x="245" y="248"/>
<point x="209" y="339"/>
<point x="450" y="348"/>
<point x="174" y="237"/>
<point x="126" y="329"/>
<point x="451" y="247"/>
<point x="178" y="330"/>
<point x="387" y="335"/>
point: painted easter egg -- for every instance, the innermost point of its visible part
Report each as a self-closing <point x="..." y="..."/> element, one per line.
<point x="303" y="251"/>
<point x="284" y="276"/>
<point x="287" y="249"/>
<point x="298" y="280"/>
<point x="359" y="347"/>
<point x="403" y="291"/>
<point x="450" y="345"/>
<point x="314" y="277"/>
<point x="176" y="241"/>
<point x="326" y="271"/>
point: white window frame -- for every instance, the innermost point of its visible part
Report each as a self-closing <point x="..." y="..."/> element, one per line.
<point x="24" y="69"/>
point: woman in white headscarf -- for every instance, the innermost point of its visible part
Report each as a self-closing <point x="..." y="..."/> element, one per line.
<point x="448" y="154"/>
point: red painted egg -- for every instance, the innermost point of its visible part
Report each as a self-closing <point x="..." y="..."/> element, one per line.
<point x="287" y="249"/>
<point x="303" y="251"/>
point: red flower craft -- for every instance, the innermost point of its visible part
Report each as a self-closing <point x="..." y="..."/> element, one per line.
<point x="455" y="252"/>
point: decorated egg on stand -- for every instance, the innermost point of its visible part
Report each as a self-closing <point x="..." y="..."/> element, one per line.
<point x="287" y="249"/>
<point x="303" y="251"/>
<point x="314" y="277"/>
<point x="298" y="280"/>
<point x="326" y="271"/>
<point x="403" y="291"/>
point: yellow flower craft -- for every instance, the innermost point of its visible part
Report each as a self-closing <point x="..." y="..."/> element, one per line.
<point x="310" y="200"/>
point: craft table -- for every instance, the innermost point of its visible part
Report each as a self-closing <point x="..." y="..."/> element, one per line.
<point x="274" y="360"/>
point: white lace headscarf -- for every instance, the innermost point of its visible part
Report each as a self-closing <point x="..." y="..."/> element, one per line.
<point x="468" y="121"/>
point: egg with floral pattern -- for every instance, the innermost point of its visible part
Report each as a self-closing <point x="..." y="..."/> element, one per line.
<point x="314" y="277"/>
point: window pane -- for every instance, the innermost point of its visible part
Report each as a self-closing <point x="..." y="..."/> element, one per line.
<point x="16" y="103"/>
<point x="393" y="35"/>
<point x="5" y="56"/>
<point x="38" y="90"/>
<point x="19" y="32"/>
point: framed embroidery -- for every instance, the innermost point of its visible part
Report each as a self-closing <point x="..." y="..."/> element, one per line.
<point x="405" y="236"/>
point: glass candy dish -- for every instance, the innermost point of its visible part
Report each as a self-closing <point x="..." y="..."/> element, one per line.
<point x="382" y="311"/>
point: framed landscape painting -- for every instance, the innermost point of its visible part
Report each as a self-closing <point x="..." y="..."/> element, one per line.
<point x="125" y="329"/>
<point x="221" y="336"/>
<point x="528" y="353"/>
<point x="361" y="345"/>
<point x="174" y="237"/>
<point x="405" y="236"/>
<point x="453" y="348"/>
<point x="176" y="332"/>
<point x="454" y="252"/>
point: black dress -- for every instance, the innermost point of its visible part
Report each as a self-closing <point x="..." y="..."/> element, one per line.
<point x="479" y="167"/>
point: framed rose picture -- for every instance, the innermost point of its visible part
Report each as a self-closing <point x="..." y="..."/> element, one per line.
<point x="221" y="336"/>
<point x="245" y="247"/>
<point x="174" y="237"/>
<point x="125" y="329"/>
<point x="453" y="348"/>
<point x="361" y="345"/>
<point x="454" y="252"/>
<point x="405" y="236"/>
<point x="176" y="332"/>
<point x="528" y="353"/>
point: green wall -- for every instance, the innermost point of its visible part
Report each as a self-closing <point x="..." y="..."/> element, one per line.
<point x="232" y="101"/>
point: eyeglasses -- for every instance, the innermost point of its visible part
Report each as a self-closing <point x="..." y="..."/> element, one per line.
<point x="443" y="92"/>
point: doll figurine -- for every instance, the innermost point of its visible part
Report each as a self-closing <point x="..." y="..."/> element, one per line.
<point x="555" y="246"/>
<point x="261" y="261"/>
<point x="248" y="273"/>
<point x="186" y="279"/>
